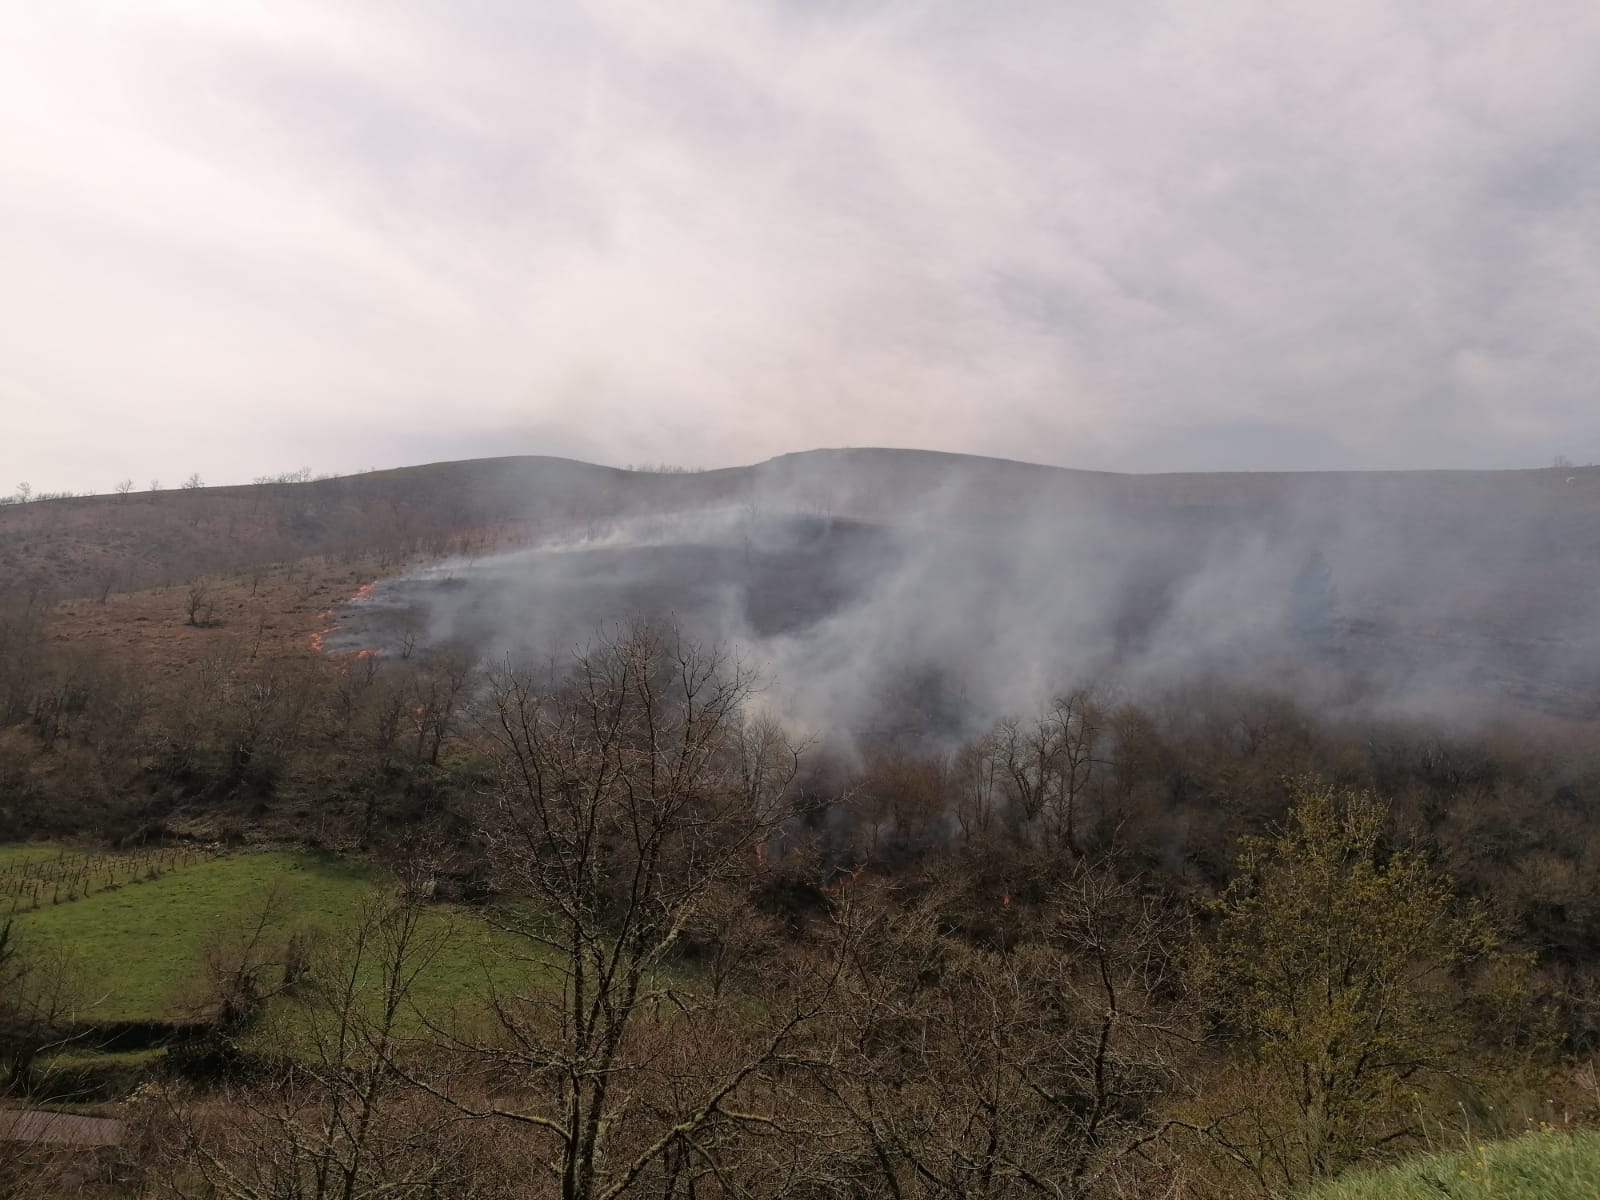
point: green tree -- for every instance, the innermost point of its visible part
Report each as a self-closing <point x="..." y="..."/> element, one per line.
<point x="1350" y="981"/>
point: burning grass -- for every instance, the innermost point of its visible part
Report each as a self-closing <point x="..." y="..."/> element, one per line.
<point x="277" y="612"/>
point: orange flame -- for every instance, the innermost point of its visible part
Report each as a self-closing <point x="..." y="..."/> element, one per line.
<point x="327" y="621"/>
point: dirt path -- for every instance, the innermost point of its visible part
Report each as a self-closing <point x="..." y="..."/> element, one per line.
<point x="57" y="1128"/>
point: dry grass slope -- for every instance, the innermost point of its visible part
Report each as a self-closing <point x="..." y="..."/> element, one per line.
<point x="92" y="545"/>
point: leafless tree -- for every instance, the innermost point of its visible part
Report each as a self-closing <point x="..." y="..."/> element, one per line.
<point x="340" y="1122"/>
<point x="1033" y="1070"/>
<point x="199" y="603"/>
<point x="24" y="649"/>
<point x="977" y="772"/>
<point x="442" y="685"/>
<point x="260" y="711"/>
<point x="41" y="994"/>
<point x="248" y="961"/>
<point x="629" y="797"/>
<point x="1076" y="719"/>
<point x="1049" y="762"/>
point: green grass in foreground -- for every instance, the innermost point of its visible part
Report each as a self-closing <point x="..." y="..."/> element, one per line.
<point x="1539" y="1166"/>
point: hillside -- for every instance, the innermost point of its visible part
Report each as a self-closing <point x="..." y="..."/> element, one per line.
<point x="85" y="546"/>
<point x="1001" y="735"/>
<point x="81" y="546"/>
<point x="1458" y="592"/>
<point x="1461" y="591"/>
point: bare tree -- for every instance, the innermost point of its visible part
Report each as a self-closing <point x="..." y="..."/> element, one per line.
<point x="25" y="651"/>
<point x="247" y="962"/>
<point x="260" y="711"/>
<point x="1077" y="719"/>
<point x="1034" y="1070"/>
<point x="123" y="487"/>
<point x="199" y="603"/>
<point x="977" y="770"/>
<point x="630" y="796"/>
<point x="41" y="993"/>
<point x="339" y="1122"/>
<point x="193" y="483"/>
<point x="1048" y="764"/>
<point x="442" y="684"/>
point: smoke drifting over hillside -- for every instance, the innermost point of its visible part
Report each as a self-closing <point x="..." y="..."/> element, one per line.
<point x="890" y="594"/>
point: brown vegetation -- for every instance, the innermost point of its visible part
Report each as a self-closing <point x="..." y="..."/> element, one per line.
<point x="1110" y="949"/>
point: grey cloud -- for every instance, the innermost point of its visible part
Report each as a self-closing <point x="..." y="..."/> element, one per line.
<point x="1236" y="235"/>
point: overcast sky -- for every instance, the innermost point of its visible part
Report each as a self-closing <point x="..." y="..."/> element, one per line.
<point x="241" y="238"/>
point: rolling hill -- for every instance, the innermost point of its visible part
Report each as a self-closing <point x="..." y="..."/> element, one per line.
<point x="1455" y="589"/>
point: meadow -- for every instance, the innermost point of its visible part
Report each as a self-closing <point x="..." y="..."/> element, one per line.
<point x="140" y="944"/>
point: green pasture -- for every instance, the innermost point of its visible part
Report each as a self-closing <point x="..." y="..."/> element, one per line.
<point x="139" y="947"/>
<point x="22" y="853"/>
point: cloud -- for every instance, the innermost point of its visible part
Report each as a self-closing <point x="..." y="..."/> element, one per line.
<point x="242" y="237"/>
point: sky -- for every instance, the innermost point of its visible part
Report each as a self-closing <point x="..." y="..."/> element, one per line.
<point x="238" y="239"/>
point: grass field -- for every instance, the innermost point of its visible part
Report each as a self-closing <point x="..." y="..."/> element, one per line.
<point x="38" y="875"/>
<point x="1540" y="1166"/>
<point x="140" y="945"/>
<point x="29" y="854"/>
